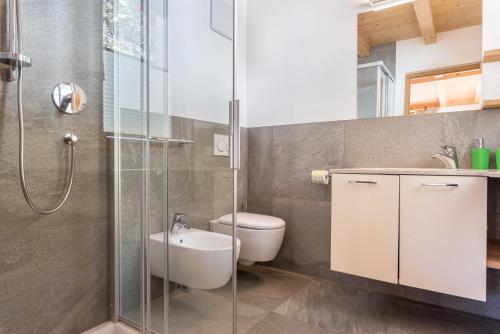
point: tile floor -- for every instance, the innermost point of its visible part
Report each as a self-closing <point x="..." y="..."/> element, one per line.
<point x="277" y="302"/>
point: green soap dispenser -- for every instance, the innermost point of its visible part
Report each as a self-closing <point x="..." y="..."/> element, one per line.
<point x="480" y="155"/>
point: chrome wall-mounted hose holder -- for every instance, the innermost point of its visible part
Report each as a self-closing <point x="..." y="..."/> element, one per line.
<point x="70" y="139"/>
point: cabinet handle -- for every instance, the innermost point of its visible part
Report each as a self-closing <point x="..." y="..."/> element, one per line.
<point x="362" y="182"/>
<point x="440" y="185"/>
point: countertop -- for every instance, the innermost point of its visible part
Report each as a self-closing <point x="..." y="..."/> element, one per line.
<point x="493" y="173"/>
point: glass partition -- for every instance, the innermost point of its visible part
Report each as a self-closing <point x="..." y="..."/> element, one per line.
<point x="200" y="187"/>
<point x="168" y="87"/>
<point x="125" y="122"/>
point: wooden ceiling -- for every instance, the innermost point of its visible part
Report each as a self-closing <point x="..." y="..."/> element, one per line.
<point x="419" y="18"/>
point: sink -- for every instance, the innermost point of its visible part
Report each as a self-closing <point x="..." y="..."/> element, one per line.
<point x="197" y="259"/>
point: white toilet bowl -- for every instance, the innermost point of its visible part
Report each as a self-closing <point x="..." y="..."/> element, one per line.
<point x="261" y="236"/>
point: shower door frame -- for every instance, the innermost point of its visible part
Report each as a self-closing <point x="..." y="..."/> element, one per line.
<point x="115" y="256"/>
<point x="235" y="160"/>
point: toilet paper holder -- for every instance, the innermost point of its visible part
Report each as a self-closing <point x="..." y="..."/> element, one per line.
<point x="320" y="177"/>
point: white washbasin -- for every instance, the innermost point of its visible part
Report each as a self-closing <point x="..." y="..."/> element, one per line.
<point x="197" y="259"/>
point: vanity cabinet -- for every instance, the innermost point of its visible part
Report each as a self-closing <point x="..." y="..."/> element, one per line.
<point x="364" y="233"/>
<point x="427" y="232"/>
<point x="443" y="234"/>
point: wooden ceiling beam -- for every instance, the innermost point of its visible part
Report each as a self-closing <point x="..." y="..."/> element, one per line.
<point x="447" y="76"/>
<point x="363" y="46"/>
<point x="477" y="94"/>
<point x="491" y="56"/>
<point x="424" y="105"/>
<point x="423" y="11"/>
<point x="441" y="90"/>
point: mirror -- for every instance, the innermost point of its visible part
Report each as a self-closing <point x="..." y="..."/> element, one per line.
<point x="419" y="57"/>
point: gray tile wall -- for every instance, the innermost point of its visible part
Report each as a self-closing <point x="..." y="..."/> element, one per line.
<point x="54" y="269"/>
<point x="282" y="157"/>
<point x="201" y="183"/>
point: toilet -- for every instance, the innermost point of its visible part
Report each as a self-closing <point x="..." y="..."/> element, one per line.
<point x="261" y="236"/>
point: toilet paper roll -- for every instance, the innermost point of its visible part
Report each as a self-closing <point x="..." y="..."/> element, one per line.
<point x="320" y="176"/>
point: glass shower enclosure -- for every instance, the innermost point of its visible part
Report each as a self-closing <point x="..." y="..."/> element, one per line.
<point x="172" y="121"/>
<point x="376" y="90"/>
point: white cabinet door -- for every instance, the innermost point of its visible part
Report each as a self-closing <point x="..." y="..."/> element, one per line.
<point x="365" y="211"/>
<point x="443" y="234"/>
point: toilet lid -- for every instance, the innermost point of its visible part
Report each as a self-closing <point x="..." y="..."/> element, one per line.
<point x="253" y="221"/>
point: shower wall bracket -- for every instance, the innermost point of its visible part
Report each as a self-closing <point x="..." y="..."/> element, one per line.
<point x="13" y="58"/>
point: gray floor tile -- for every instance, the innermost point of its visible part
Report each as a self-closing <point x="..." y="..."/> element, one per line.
<point x="201" y="312"/>
<point x="341" y="308"/>
<point x="275" y="323"/>
<point x="308" y="305"/>
<point x="265" y="288"/>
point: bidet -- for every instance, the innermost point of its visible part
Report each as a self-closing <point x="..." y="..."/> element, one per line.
<point x="197" y="259"/>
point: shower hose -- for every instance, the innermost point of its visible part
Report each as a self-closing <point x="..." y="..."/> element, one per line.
<point x="71" y="140"/>
<point x="22" y="176"/>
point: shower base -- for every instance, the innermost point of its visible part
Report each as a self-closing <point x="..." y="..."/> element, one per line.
<point x="112" y="328"/>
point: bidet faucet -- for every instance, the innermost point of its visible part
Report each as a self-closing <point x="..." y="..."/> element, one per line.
<point x="449" y="157"/>
<point x="177" y="220"/>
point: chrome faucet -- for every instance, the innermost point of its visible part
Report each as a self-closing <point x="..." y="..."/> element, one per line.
<point x="448" y="157"/>
<point x="177" y="221"/>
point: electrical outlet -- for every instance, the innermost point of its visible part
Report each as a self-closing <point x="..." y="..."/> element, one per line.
<point x="221" y="145"/>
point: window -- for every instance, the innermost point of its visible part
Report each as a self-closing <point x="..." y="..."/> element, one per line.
<point x="131" y="106"/>
<point x="455" y="88"/>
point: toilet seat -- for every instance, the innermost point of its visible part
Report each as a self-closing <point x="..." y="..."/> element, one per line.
<point x="253" y="221"/>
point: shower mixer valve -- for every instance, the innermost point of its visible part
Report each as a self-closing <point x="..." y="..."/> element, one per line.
<point x="69" y="98"/>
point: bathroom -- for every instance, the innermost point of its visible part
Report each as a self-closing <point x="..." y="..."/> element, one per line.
<point x="283" y="148"/>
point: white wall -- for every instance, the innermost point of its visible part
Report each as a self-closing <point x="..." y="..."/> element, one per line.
<point x="296" y="61"/>
<point x="455" y="47"/>
<point x="491" y="41"/>
<point x="241" y="60"/>
<point x="301" y="61"/>
<point x="200" y="63"/>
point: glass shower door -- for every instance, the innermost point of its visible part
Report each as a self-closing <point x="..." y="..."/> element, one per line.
<point x="168" y="89"/>
<point x="127" y="122"/>
<point x="201" y="179"/>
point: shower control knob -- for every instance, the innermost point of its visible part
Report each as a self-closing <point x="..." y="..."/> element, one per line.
<point x="70" y="139"/>
<point x="69" y="98"/>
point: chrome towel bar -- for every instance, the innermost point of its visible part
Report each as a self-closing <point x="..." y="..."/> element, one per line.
<point x="154" y="139"/>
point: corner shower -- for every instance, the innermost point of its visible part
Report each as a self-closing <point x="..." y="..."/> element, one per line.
<point x="15" y="61"/>
<point x="159" y="89"/>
